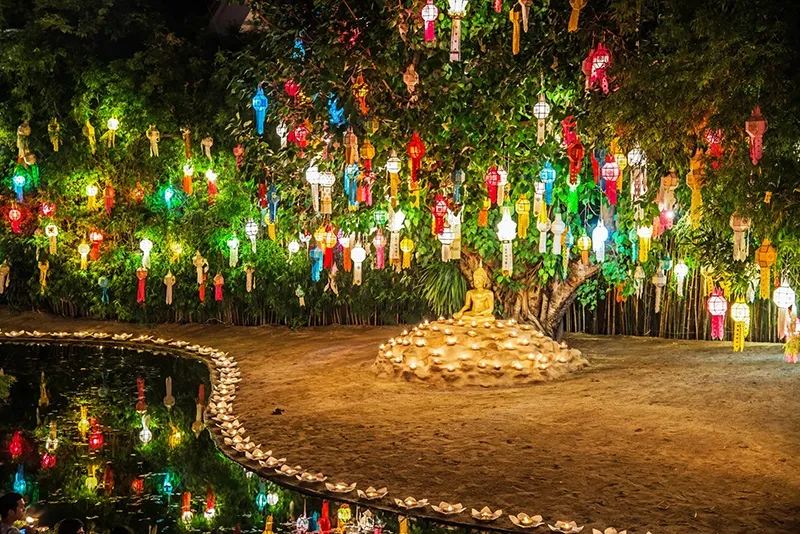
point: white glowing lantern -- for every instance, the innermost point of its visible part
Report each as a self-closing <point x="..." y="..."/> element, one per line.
<point x="637" y="160"/>
<point x="233" y="246"/>
<point x="272" y="498"/>
<point x="326" y="181"/>
<point x="638" y="281"/>
<point x="558" y="228"/>
<point x="395" y="226"/>
<point x="113" y="126"/>
<point x="501" y="184"/>
<point x="506" y="232"/>
<point x="784" y="298"/>
<point x="599" y="237"/>
<point x="51" y="231"/>
<point x="740" y="313"/>
<point x="446" y="239"/>
<point x="454" y="220"/>
<point x="538" y="196"/>
<point x="312" y="177"/>
<point x="145" y="245"/>
<point x="659" y="280"/>
<point x="541" y="110"/>
<point x="645" y="234"/>
<point x="83" y="250"/>
<point x="283" y="131"/>
<point x="543" y="225"/>
<point x="294" y="248"/>
<point x="457" y="11"/>
<point x="251" y="229"/>
<point x="681" y="270"/>
<point x="145" y="434"/>
<point x="358" y="255"/>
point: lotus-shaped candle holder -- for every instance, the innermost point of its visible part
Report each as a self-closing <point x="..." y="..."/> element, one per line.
<point x="526" y="521"/>
<point x="307" y="476"/>
<point x="486" y="514"/>
<point x="285" y="470"/>
<point x="13" y="333"/>
<point x="565" y="527"/>
<point x="258" y="454"/>
<point x="448" y="509"/>
<point x="340" y="487"/>
<point x="142" y="338"/>
<point x="60" y="335"/>
<point x="100" y="335"/>
<point x="206" y="351"/>
<point x="193" y="348"/>
<point x="609" y="530"/>
<point x="81" y="335"/>
<point x="410" y="503"/>
<point x="121" y="337"/>
<point x="178" y="343"/>
<point x="161" y="341"/>
<point x="272" y="462"/>
<point x="372" y="493"/>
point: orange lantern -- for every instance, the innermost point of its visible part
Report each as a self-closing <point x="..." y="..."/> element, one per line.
<point x="765" y="258"/>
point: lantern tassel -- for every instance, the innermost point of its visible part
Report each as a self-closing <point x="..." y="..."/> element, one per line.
<point x="514" y="16"/>
<point x="764" y="282"/>
<point x="739" y="333"/>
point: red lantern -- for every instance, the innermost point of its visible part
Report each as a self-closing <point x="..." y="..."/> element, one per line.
<point x="96" y="237"/>
<point x="575" y="154"/>
<point x="47" y="209"/>
<point x="108" y="479"/>
<point x="714" y="139"/>
<point x="108" y="197"/>
<point x="568" y="127"/>
<point x="755" y="127"/>
<point x="238" y="153"/>
<point x="439" y="211"/>
<point x="379" y="242"/>
<point x="96" y="437"/>
<point x="137" y="485"/>
<point x="595" y="66"/>
<point x="717" y="307"/>
<point x="292" y="89"/>
<point x="330" y="243"/>
<point x="492" y="179"/>
<point x="15" y="447"/>
<point x="416" y="150"/>
<point x="610" y="174"/>
<point x="298" y="137"/>
<point x="141" y="405"/>
<point x="15" y="215"/>
<point x="48" y="461"/>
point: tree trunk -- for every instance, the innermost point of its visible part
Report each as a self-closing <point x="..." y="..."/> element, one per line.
<point x="544" y="306"/>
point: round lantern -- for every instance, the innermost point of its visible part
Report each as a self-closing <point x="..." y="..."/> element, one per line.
<point x="312" y="174"/>
<point x="784" y="296"/>
<point x="48" y="461"/>
<point x="380" y="217"/>
<point x="95" y="438"/>
<point x="15" y="447"/>
<point x="610" y="174"/>
<point x="393" y="164"/>
<point x="344" y="513"/>
<point x="272" y="498"/>
<point x="15" y="215"/>
<point x="541" y="110"/>
<point x="740" y="312"/>
<point x="358" y="254"/>
<point x="636" y="156"/>
<point x="717" y="307"/>
<point x="113" y="124"/>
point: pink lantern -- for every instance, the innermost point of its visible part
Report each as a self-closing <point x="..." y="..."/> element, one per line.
<point x="717" y="307"/>
<point x="756" y="126"/>
<point x="379" y="242"/>
<point x="439" y="210"/>
<point x="492" y="180"/>
<point x="610" y="174"/>
<point x="429" y="14"/>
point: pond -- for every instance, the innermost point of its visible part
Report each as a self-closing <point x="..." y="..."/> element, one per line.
<point x="75" y="445"/>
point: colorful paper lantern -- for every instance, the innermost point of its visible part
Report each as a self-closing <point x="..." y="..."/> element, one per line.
<point x="681" y="271"/>
<point x="96" y="437"/>
<point x="740" y="313"/>
<point x="188" y="173"/>
<point x="599" y="237"/>
<point x="584" y="245"/>
<point x="741" y="244"/>
<point x="18" y="181"/>
<point x="446" y="238"/>
<point x="638" y="281"/>
<point x="260" y="104"/>
<point x="141" y="275"/>
<point x="439" y="210"/>
<point x="326" y="181"/>
<point x="765" y="258"/>
<point x="457" y="11"/>
<point x="645" y="234"/>
<point x="543" y="226"/>
<point x="145" y="434"/>
<point x="429" y="14"/>
<point x="186" y="507"/>
<point x="506" y="232"/>
<point x="717" y="307"/>
<point x="558" y="227"/>
<point x="233" y="251"/>
<point x="379" y="242"/>
<point x="541" y="110"/>
<point x="610" y="173"/>
<point x="16" y="445"/>
<point x="261" y="497"/>
<point x="457" y="178"/>
<point x="784" y="298"/>
<point x="211" y="179"/>
<point x="755" y="127"/>
<point x="407" y="247"/>
<point x="358" y="254"/>
<point x="251" y="230"/>
<point x="660" y="281"/>
<point x="548" y="177"/>
<point x="83" y="250"/>
<point x="523" y="208"/>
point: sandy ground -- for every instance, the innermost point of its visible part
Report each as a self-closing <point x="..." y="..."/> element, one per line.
<point x="671" y="437"/>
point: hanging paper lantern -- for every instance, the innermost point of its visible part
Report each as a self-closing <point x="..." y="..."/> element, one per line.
<point x="233" y="251"/>
<point x="595" y="67"/>
<point x="395" y="227"/>
<point x="610" y="173"/>
<point x="439" y="210"/>
<point x="543" y="226"/>
<point x="48" y="461"/>
<point x="186" y="507"/>
<point x="666" y="263"/>
<point x="113" y="126"/>
<point x="637" y="159"/>
<point x="145" y="434"/>
<point x="51" y="443"/>
<point x="523" y="208"/>
<point x="714" y="139"/>
<point x="316" y="255"/>
<point x="393" y="168"/>
<point x="585" y="244"/>
<point x="717" y="307"/>
<point x="95" y="438"/>
<point x="541" y="110"/>
<point x="326" y="181"/>
<point x="416" y="151"/>
<point x="740" y="313"/>
<point x="351" y="181"/>
<point x="407" y="247"/>
<point x="695" y="180"/>
<point x="145" y="245"/>
<point x="282" y="131"/>
<point x="446" y="238"/>
<point x="429" y="14"/>
<point x="20" y="485"/>
<point x="784" y="298"/>
<point x="346" y="241"/>
<point x="741" y="243"/>
<point x="16" y="445"/>
<point x="515" y="17"/>
<point x="660" y="281"/>
<point x="457" y="12"/>
<point x="211" y="178"/>
<point x="501" y="185"/>
<point x="755" y="127"/>
<point x="260" y="104"/>
<point x="251" y="230"/>
<point x="261" y="497"/>
<point x="638" y="281"/>
<point x="457" y="178"/>
<point x="483" y="214"/>
<point x="350" y="141"/>
<point x="506" y="231"/>
<point x="765" y="258"/>
<point x="358" y="254"/>
<point x="645" y="234"/>
<point x="548" y="177"/>
<point x="574" y="16"/>
<point x="313" y="179"/>
<point x="18" y="181"/>
<point x="681" y="271"/>
<point x="330" y="243"/>
<point x="379" y="242"/>
<point x="599" y="237"/>
<point x="558" y="227"/>
<point x="360" y="91"/>
<point x="83" y="250"/>
<point x="96" y="237"/>
<point x="91" y="194"/>
<point x="141" y="275"/>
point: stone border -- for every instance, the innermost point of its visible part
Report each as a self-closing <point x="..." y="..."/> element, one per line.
<point x="232" y="440"/>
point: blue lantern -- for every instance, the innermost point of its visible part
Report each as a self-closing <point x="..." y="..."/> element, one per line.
<point x="260" y="104"/>
<point x="299" y="49"/>
<point x="20" y="486"/>
<point x="457" y="177"/>
<point x="19" y="182"/>
<point x="273" y="198"/>
<point x="666" y="263"/>
<point x="548" y="176"/>
<point x="351" y="173"/>
<point x="336" y="111"/>
<point x="166" y="487"/>
<point x="169" y="193"/>
<point x="261" y="498"/>
<point x="316" y="263"/>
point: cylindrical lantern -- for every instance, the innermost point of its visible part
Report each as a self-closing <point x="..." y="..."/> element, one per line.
<point x="429" y="14"/>
<point x="548" y="177"/>
<point x="446" y="238"/>
<point x="585" y="244"/>
<point x="599" y="237"/>
<point x="610" y="173"/>
<point x="645" y="233"/>
<point x="523" y="208"/>
<point x="558" y="227"/>
<point x="457" y="12"/>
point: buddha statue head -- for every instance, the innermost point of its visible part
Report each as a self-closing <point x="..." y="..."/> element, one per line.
<point x="479" y="278"/>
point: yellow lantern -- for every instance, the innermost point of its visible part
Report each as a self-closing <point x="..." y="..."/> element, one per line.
<point x="765" y="258"/>
<point x="483" y="215"/>
<point x="585" y="245"/>
<point x="740" y="313"/>
<point x="319" y="237"/>
<point x="645" y="234"/>
<point x="177" y="250"/>
<point x="523" y="208"/>
<point x="344" y="514"/>
<point x="91" y="193"/>
<point x="407" y="246"/>
<point x="367" y="151"/>
<point x="695" y="180"/>
<point x="91" y="480"/>
<point x="175" y="436"/>
<point x="83" y="424"/>
<point x="83" y="250"/>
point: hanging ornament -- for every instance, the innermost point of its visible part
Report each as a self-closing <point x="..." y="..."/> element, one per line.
<point x="393" y="168"/>
<point x="755" y="127"/>
<point x="637" y="160"/>
<point x="483" y="214"/>
<point x="523" y="208"/>
<point x="360" y="91"/>
<point x="358" y="254"/>
<point x="717" y="306"/>
<point x="410" y="76"/>
<point x="695" y="180"/>
<point x="346" y="241"/>
<point x="740" y="313"/>
<point x="610" y="173"/>
<point x="54" y="130"/>
<point x="169" y="194"/>
<point x="18" y="181"/>
<point x="145" y="245"/>
<point x="51" y="231"/>
<point x="326" y="181"/>
<point x="506" y="231"/>
<point x="350" y="140"/>
<point x="251" y="230"/>
<point x="514" y="16"/>
<point x="44" y="266"/>
<point x="416" y="150"/>
<point x="407" y="247"/>
<point x="439" y="210"/>
<point x="660" y="281"/>
<point x="329" y="242"/>
<point x="429" y="14"/>
<point x="219" y="281"/>
<point x="201" y="267"/>
<point x="211" y="178"/>
<point x="638" y="281"/>
<point x="454" y="221"/>
<point x="784" y="298"/>
<point x="492" y="179"/>
<point x="645" y="234"/>
<point x="103" y="283"/>
<point x="206" y="143"/>
<point x="585" y="245"/>
<point x="141" y="275"/>
<point x="313" y="179"/>
<point x="741" y="243"/>
<point x="525" y="7"/>
<point x="169" y="281"/>
<point x="367" y="152"/>
<point x="765" y="258"/>
<point x="577" y="5"/>
<point x="541" y="110"/>
<point x="153" y="136"/>
<point x="558" y="228"/>
<point x="681" y="271"/>
<point x="282" y="130"/>
<point x="543" y="225"/>
<point x="91" y="194"/>
<point x="538" y="197"/>
<point x="501" y="185"/>
<point x="498" y="6"/>
<point x="548" y="177"/>
<point x="96" y="237"/>
<point x="714" y="139"/>
<point x="595" y="68"/>
<point x="351" y="179"/>
<point x="379" y="242"/>
<point x="238" y="154"/>
<point x="316" y="263"/>
<point x="457" y="11"/>
<point x="108" y="198"/>
<point x="250" y="284"/>
<point x="446" y="238"/>
<point x="88" y="132"/>
<point x="138" y="193"/>
<point x="233" y="251"/>
<point x="260" y="104"/>
<point x="457" y="178"/>
<point x="111" y="134"/>
<point x="599" y="237"/>
<point x="395" y="227"/>
<point x="83" y="250"/>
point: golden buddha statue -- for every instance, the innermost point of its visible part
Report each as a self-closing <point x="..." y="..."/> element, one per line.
<point x="479" y="302"/>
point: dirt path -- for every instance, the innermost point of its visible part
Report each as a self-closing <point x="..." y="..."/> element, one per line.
<point x="671" y="437"/>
